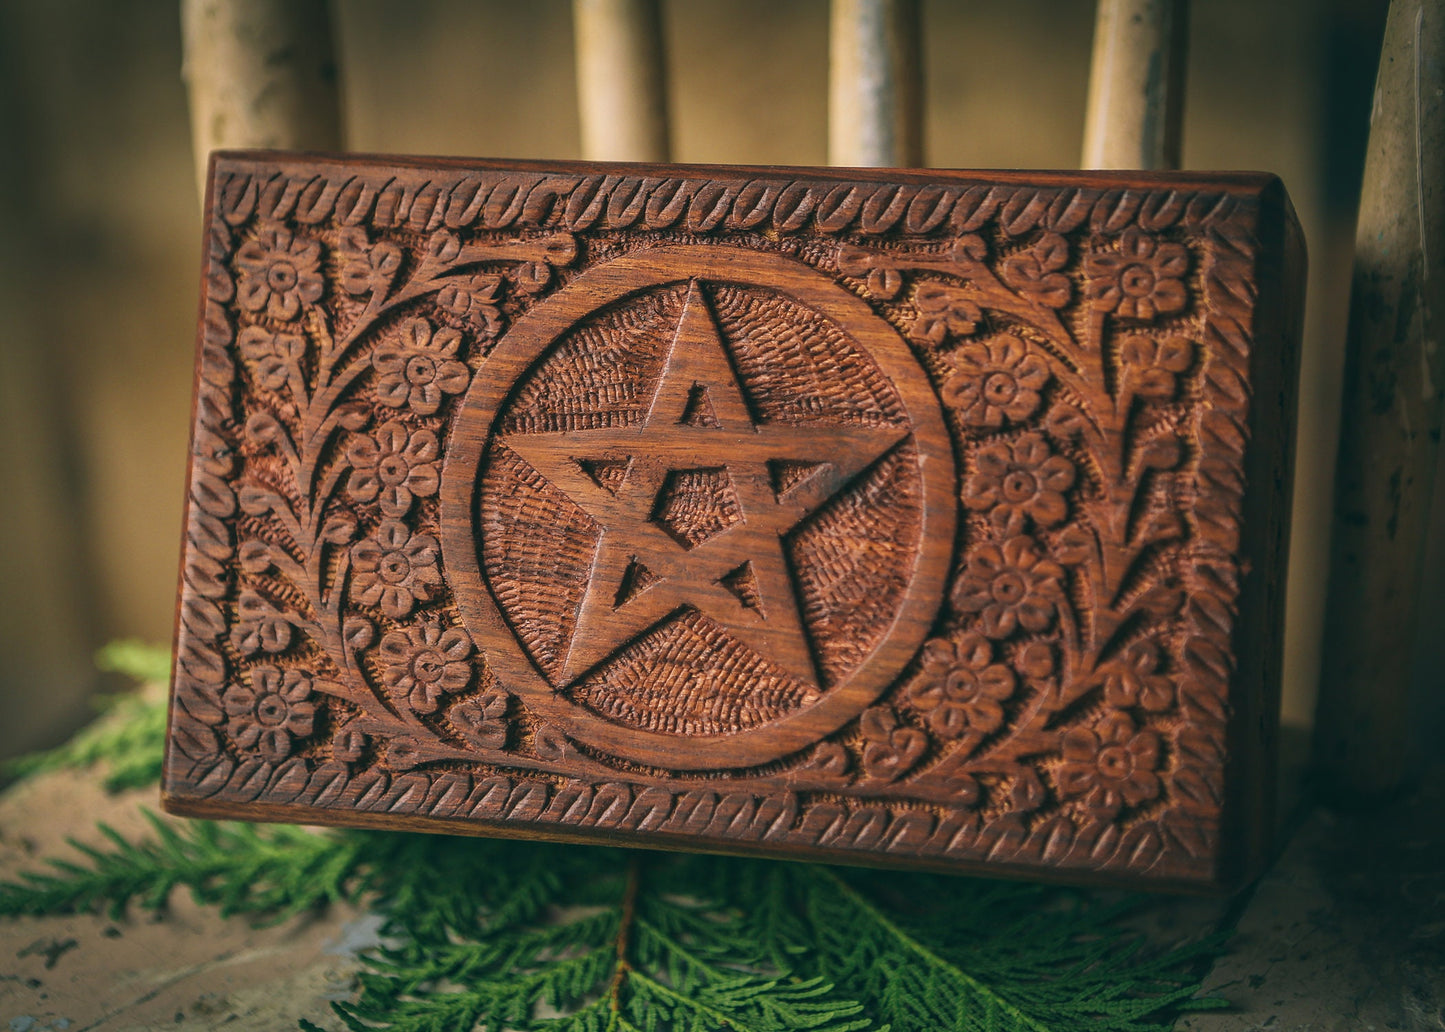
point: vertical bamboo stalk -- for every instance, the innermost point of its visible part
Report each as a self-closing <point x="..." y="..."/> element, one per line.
<point x="875" y="84"/>
<point x="1136" y="84"/>
<point x="621" y="87"/>
<point x="259" y="73"/>
<point x="1390" y="419"/>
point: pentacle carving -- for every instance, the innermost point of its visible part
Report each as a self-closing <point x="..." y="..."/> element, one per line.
<point x="696" y="514"/>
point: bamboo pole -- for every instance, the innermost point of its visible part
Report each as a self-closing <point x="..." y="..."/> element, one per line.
<point x="621" y="88"/>
<point x="259" y="73"/>
<point x="875" y="84"/>
<point x="1390" y="420"/>
<point x="1136" y="84"/>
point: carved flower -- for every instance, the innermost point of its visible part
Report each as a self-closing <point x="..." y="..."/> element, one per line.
<point x="475" y="299"/>
<point x="421" y="369"/>
<point x="830" y="761"/>
<point x="996" y="381"/>
<point x="943" y="312"/>
<point x="1143" y="279"/>
<point x="426" y="660"/>
<point x="278" y="273"/>
<point x="879" y="272"/>
<point x="271" y="710"/>
<point x="1009" y="587"/>
<point x="961" y="687"/>
<point x="272" y="354"/>
<point x="259" y="627"/>
<point x="1020" y="480"/>
<point x="1034" y="271"/>
<point x="1154" y="365"/>
<point x="368" y="269"/>
<point x="1134" y="679"/>
<point x="395" y="569"/>
<point x="395" y="465"/>
<point x="533" y="277"/>
<point x="482" y="721"/>
<point x="1110" y="765"/>
<point x="892" y="749"/>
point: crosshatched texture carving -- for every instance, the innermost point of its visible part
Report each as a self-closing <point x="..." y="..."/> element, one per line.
<point x="696" y="505"/>
<point x="919" y="518"/>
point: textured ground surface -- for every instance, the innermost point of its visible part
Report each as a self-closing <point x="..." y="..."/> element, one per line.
<point x="190" y="971"/>
<point x="1348" y="929"/>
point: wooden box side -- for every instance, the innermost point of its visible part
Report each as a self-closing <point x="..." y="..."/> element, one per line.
<point x="1264" y="535"/>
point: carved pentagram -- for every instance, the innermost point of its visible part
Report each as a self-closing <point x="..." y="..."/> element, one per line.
<point x="652" y="557"/>
<point x="674" y="533"/>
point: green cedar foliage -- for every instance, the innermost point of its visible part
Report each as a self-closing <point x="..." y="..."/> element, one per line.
<point x="148" y="664"/>
<point x="274" y="872"/>
<point x="491" y="935"/>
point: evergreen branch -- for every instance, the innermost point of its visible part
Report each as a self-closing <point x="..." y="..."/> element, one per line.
<point x="750" y="1004"/>
<point x="624" y="933"/>
<point x="601" y="946"/>
<point x="489" y="931"/>
<point x="597" y="1016"/>
<point x="963" y="991"/>
<point x="273" y="872"/>
<point x="148" y="664"/>
<point x="481" y="934"/>
<point x="1023" y="958"/>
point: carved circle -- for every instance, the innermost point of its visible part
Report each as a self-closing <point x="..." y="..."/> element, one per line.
<point x="480" y="441"/>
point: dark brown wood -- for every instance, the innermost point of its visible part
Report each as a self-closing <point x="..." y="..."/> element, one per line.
<point x="926" y="519"/>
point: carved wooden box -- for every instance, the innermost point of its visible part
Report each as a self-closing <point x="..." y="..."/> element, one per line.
<point x="917" y="518"/>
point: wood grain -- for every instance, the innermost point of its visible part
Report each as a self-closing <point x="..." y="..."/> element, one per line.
<point x="1135" y="107"/>
<point x="926" y="519"/>
<point x="621" y="80"/>
<point x="1391" y="413"/>
<point x="259" y="73"/>
<point x="875" y="83"/>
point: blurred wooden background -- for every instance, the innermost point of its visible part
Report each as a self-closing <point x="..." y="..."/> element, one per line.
<point x="99" y="236"/>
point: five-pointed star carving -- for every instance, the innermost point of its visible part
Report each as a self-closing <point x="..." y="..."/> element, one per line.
<point x="752" y="481"/>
